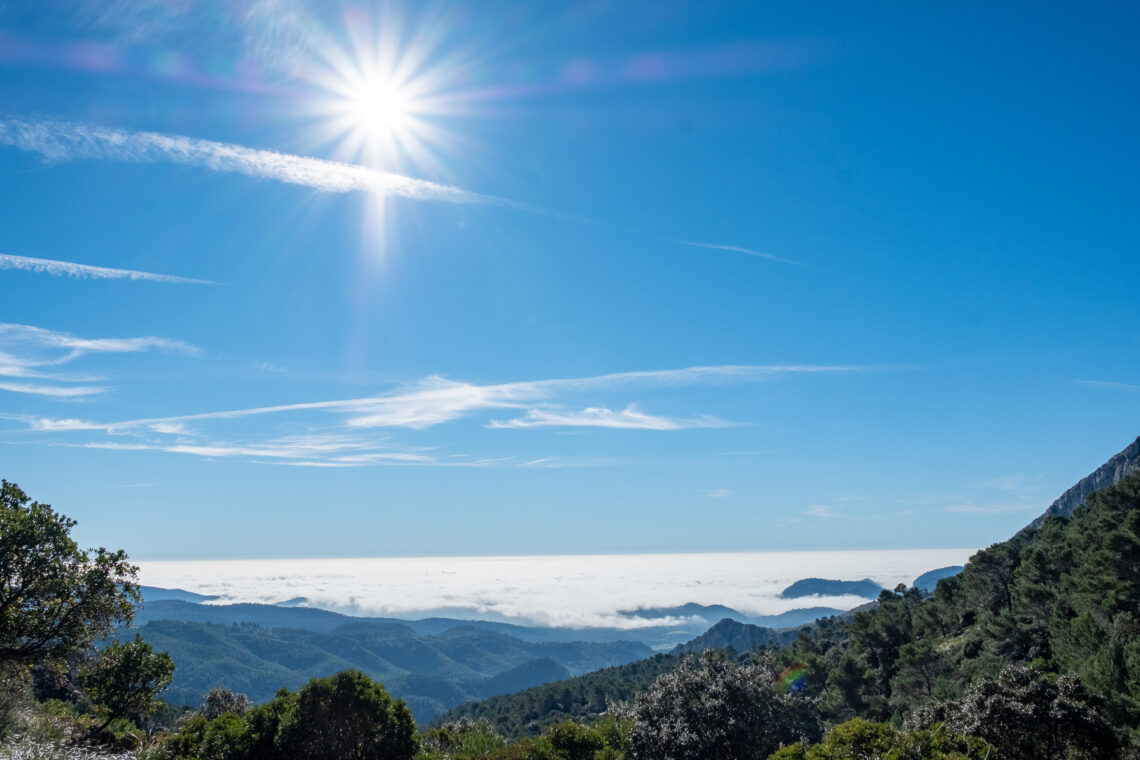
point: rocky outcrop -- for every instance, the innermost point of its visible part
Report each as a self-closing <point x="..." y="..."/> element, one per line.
<point x="1124" y="463"/>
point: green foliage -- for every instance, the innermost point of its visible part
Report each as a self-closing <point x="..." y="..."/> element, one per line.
<point x="859" y="739"/>
<point x="346" y="716"/>
<point x="461" y="739"/>
<point x="714" y="709"/>
<point x="465" y="739"/>
<point x="430" y="672"/>
<point x="15" y="695"/>
<point x="584" y="699"/>
<point x="55" y="599"/>
<point x="1064" y="599"/>
<point x="125" y="678"/>
<point x="220" y="700"/>
<point x="1025" y="715"/>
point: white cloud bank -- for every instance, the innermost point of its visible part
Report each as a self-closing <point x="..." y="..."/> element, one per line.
<point x="591" y="590"/>
<point x="71" y="269"/>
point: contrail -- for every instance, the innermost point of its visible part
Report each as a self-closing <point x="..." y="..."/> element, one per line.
<point x="73" y="140"/>
<point x="71" y="269"/>
<point x="738" y="249"/>
<point x="61" y="141"/>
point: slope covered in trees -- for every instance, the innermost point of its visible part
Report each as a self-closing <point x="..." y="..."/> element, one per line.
<point x="584" y="698"/>
<point x="1064" y="598"/>
<point x="432" y="673"/>
<point x="1034" y="647"/>
<point x="1031" y="651"/>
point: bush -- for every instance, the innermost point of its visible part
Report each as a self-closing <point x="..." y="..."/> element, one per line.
<point x="859" y="739"/>
<point x="344" y="717"/>
<point x="714" y="709"/>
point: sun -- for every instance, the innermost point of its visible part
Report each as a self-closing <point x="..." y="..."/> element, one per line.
<point x="376" y="92"/>
<point x="378" y="107"/>
<point x="371" y="112"/>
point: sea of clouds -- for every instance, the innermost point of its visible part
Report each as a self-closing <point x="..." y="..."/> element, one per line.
<point x="564" y="591"/>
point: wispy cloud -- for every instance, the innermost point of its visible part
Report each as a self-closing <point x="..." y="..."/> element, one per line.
<point x="1018" y="484"/>
<point x="436" y="400"/>
<point x="71" y="269"/>
<point x="739" y="249"/>
<point x="64" y="141"/>
<point x="699" y="375"/>
<point x="311" y="450"/>
<point x="821" y="510"/>
<point x="970" y="507"/>
<point x="630" y="418"/>
<point x="29" y="352"/>
<point x="54" y="391"/>
<point x="425" y="404"/>
<point x="1109" y="385"/>
<point x="33" y="337"/>
<point x="49" y="425"/>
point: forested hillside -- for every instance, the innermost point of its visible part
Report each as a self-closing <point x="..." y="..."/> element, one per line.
<point x="740" y="637"/>
<point x="1034" y="647"/>
<point x="586" y="697"/>
<point x="1064" y="599"/>
<point x="1032" y="651"/>
<point x="431" y="673"/>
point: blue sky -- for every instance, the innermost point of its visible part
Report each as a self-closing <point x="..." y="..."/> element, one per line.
<point x="315" y="279"/>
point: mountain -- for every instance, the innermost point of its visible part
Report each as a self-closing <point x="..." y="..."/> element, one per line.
<point x="711" y="613"/>
<point x="156" y="594"/>
<point x="929" y="580"/>
<point x="313" y="619"/>
<point x="432" y="672"/>
<point x="1051" y="608"/>
<point x="708" y="612"/>
<point x="1063" y="599"/>
<point x="741" y="637"/>
<point x="793" y="618"/>
<point x="865" y="588"/>
<point x="1112" y="471"/>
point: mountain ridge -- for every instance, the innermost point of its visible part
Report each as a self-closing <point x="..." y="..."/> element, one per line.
<point x="1117" y="467"/>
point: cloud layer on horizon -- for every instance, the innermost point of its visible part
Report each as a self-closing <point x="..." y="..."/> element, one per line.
<point x="592" y="590"/>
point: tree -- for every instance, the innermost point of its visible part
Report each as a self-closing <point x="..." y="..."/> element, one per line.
<point x="347" y="716"/>
<point x="714" y="709"/>
<point x="220" y="700"/>
<point x="859" y="739"/>
<point x="124" y="679"/>
<point x="55" y="599"/>
<point x="464" y="737"/>
<point x="1025" y="716"/>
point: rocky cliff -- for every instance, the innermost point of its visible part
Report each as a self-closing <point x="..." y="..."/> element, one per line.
<point x="1124" y="463"/>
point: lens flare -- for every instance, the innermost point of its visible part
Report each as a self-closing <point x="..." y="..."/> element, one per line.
<point x="793" y="679"/>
